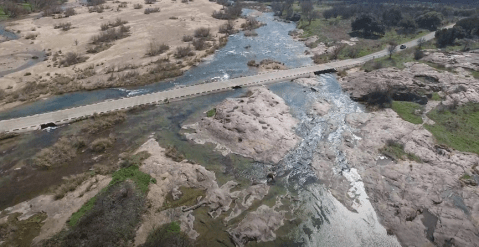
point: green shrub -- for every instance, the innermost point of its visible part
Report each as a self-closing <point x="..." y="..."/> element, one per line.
<point x="212" y="112"/>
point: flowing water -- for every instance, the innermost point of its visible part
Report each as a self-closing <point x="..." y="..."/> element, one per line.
<point x="324" y="220"/>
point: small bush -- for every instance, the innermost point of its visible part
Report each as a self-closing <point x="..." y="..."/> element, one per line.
<point x="252" y="63"/>
<point x="70" y="12"/>
<point x="31" y="36"/>
<point x="150" y="1"/>
<point x="151" y="10"/>
<point x="183" y="52"/>
<point x="64" y="26"/>
<point x="187" y="38"/>
<point x="72" y="58"/>
<point x="212" y="112"/>
<point x="227" y="28"/>
<point x="418" y="54"/>
<point x="104" y="26"/>
<point x="199" y="44"/>
<point x="123" y="5"/>
<point x="137" y="6"/>
<point x="202" y="32"/>
<point x="100" y="145"/>
<point x="155" y="48"/>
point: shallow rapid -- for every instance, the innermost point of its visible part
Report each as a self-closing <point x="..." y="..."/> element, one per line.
<point x="324" y="220"/>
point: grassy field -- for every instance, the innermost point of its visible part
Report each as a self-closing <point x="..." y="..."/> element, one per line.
<point x="397" y="60"/>
<point x="457" y="128"/>
<point x="408" y="111"/>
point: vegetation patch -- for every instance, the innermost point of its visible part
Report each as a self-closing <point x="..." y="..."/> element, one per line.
<point x="395" y="150"/>
<point x="16" y="232"/>
<point x="141" y="179"/>
<point x="457" y="128"/>
<point x="212" y="112"/>
<point x="188" y="198"/>
<point x="167" y="235"/>
<point x="408" y="111"/>
<point x="435" y="96"/>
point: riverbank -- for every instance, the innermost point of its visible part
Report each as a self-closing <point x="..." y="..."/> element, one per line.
<point x="417" y="149"/>
<point x="83" y="52"/>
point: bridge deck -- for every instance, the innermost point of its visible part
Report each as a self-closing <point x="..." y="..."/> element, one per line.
<point x="67" y="115"/>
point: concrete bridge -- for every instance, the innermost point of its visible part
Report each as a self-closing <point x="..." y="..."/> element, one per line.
<point x="179" y="93"/>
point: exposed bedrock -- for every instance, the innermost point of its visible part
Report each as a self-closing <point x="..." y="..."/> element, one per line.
<point x="413" y="83"/>
<point x="258" y="125"/>
<point x="421" y="203"/>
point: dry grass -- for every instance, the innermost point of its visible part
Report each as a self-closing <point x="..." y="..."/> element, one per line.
<point x="70" y="184"/>
<point x="100" y="145"/>
<point x="63" y="151"/>
<point x="111" y="35"/>
<point x="155" y="48"/>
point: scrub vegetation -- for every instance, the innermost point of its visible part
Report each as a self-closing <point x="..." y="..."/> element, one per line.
<point x="395" y="150"/>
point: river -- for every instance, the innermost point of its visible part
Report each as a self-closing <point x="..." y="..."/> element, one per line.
<point x="324" y="220"/>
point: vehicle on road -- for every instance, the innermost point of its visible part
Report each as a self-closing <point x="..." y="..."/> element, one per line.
<point x="402" y="47"/>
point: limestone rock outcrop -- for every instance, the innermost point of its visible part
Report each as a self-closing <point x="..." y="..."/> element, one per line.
<point x="258" y="125"/>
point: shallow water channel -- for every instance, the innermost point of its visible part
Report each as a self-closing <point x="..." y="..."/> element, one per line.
<point x="320" y="219"/>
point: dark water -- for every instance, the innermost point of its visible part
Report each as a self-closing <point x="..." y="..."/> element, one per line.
<point x="320" y="220"/>
<point x="6" y="34"/>
<point x="272" y="42"/>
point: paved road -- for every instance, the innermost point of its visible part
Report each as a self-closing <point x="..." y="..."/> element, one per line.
<point x="68" y="115"/>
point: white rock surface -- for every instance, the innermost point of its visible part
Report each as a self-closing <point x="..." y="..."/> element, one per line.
<point x="258" y="125"/>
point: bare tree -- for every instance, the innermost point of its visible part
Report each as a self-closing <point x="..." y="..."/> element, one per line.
<point x="421" y="42"/>
<point x="392" y="48"/>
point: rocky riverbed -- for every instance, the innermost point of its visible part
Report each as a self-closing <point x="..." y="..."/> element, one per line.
<point x="258" y="125"/>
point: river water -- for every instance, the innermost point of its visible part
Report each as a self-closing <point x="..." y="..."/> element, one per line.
<point x="324" y="220"/>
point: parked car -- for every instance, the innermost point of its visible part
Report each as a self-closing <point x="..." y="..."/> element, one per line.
<point x="402" y="47"/>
